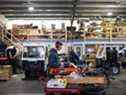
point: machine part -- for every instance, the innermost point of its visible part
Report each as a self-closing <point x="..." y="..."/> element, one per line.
<point x="115" y="70"/>
<point x="93" y="90"/>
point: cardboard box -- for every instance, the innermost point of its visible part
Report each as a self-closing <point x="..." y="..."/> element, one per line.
<point x="5" y="72"/>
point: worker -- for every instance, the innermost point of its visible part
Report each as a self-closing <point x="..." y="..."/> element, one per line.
<point x="78" y="52"/>
<point x="122" y="57"/>
<point x="12" y="54"/>
<point x="2" y="48"/>
<point x="53" y="60"/>
<point x="115" y="55"/>
<point x="109" y="54"/>
<point x="73" y="57"/>
<point x="100" y="56"/>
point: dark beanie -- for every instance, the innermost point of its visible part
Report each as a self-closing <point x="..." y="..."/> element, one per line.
<point x="58" y="43"/>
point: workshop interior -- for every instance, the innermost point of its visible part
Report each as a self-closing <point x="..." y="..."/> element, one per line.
<point x="62" y="47"/>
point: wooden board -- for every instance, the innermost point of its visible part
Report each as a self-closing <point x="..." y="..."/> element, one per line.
<point x="87" y="80"/>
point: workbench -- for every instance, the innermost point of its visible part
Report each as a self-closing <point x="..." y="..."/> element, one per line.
<point x="97" y="80"/>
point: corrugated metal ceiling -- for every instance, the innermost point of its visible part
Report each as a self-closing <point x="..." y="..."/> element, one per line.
<point x="61" y="8"/>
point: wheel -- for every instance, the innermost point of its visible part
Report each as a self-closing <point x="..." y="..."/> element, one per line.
<point x="115" y="70"/>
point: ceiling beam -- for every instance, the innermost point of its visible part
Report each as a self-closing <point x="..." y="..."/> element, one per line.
<point x="36" y="12"/>
<point x="40" y="17"/>
<point x="101" y="4"/>
<point x="31" y="0"/>
<point x="65" y="10"/>
<point x="18" y="10"/>
<point x="37" y="8"/>
<point x="100" y="14"/>
<point x="83" y="5"/>
<point x="102" y="10"/>
<point x="79" y="9"/>
<point x="35" y="2"/>
<point x="56" y="2"/>
<point x="62" y="11"/>
<point x="103" y="0"/>
<point x="68" y="14"/>
<point x="34" y="5"/>
<point x="96" y="2"/>
<point x="57" y="13"/>
<point x="66" y="0"/>
<point x="37" y="18"/>
<point x="61" y="16"/>
<point x="63" y="7"/>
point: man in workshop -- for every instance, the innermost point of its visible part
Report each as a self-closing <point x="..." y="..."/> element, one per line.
<point x="73" y="57"/>
<point x="53" y="60"/>
<point x="11" y="54"/>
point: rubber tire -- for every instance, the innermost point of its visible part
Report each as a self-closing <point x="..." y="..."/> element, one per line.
<point x="115" y="70"/>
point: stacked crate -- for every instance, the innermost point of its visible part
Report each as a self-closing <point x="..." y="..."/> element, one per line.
<point x="5" y="72"/>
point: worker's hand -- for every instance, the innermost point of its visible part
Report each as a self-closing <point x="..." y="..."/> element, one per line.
<point x="79" y="69"/>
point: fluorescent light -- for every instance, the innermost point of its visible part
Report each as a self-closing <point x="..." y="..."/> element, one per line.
<point x="31" y="8"/>
<point x="109" y="14"/>
<point x="48" y="10"/>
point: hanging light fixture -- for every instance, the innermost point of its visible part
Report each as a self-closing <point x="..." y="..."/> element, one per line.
<point x="109" y="14"/>
<point x="31" y="8"/>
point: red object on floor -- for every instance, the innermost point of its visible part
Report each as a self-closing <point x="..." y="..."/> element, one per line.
<point x="67" y="70"/>
<point x="3" y="58"/>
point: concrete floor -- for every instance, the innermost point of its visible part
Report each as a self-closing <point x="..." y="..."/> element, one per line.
<point x="18" y="87"/>
<point x="118" y="86"/>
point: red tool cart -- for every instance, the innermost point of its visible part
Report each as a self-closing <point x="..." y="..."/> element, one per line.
<point x="75" y="85"/>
